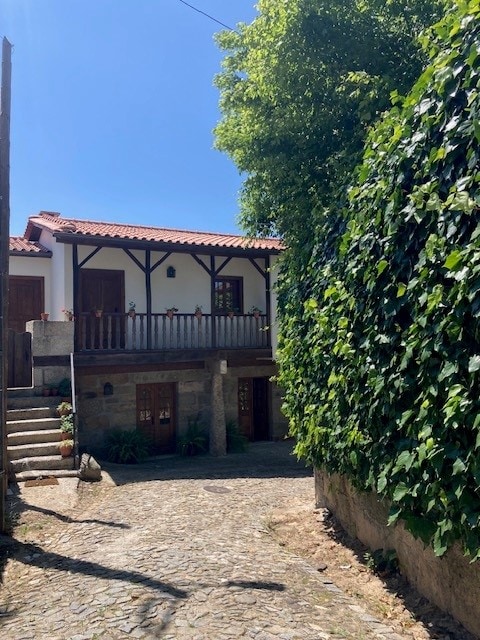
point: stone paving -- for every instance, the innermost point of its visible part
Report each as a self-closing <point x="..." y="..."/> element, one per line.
<point x="179" y="549"/>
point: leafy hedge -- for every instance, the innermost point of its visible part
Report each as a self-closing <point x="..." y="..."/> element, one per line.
<point x="381" y="364"/>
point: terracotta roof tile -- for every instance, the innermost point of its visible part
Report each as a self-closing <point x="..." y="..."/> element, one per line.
<point x="56" y="223"/>
<point x="20" y="245"/>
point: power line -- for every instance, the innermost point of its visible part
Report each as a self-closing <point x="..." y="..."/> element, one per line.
<point x="207" y="15"/>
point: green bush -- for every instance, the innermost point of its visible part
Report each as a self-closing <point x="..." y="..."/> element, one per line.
<point x="66" y="424"/>
<point x="127" y="447"/>
<point x="381" y="364"/>
<point x="236" y="441"/>
<point x="195" y="439"/>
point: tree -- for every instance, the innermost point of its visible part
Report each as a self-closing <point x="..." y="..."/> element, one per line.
<point x="299" y="89"/>
<point x="382" y="372"/>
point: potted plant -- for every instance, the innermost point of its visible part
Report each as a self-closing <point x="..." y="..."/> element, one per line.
<point x="171" y="311"/>
<point x="230" y="313"/>
<point x="68" y="313"/>
<point x="64" y="408"/>
<point x="198" y="311"/>
<point x="98" y="313"/>
<point x="131" y="309"/>
<point x="44" y="315"/>
<point x="66" y="426"/>
<point x="255" y="312"/>
<point x="65" y="447"/>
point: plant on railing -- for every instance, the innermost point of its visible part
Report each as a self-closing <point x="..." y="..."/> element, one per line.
<point x="255" y="312"/>
<point x="131" y="309"/>
<point x="68" y="313"/>
<point x="127" y="447"/>
<point x="170" y="311"/>
<point x="198" y="311"/>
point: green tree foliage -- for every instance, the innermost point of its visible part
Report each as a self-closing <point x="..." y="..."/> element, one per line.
<point x="299" y="88"/>
<point x="381" y="364"/>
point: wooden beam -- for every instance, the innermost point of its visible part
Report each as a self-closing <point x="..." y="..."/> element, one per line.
<point x="224" y="264"/>
<point x="212" y="301"/>
<point x="202" y="264"/>
<point x="135" y="259"/>
<point x="268" y="295"/>
<point x="148" y="295"/>
<point x="89" y="257"/>
<point x="258" y="267"/>
<point x="76" y="295"/>
<point x="161" y="261"/>
<point x="5" y="105"/>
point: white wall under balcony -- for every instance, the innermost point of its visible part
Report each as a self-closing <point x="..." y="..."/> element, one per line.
<point x="190" y="287"/>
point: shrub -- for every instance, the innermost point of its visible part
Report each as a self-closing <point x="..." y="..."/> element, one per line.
<point x="236" y="441"/>
<point x="195" y="439"/>
<point x="127" y="447"/>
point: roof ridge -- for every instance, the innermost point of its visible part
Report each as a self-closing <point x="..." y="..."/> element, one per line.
<point x="224" y="234"/>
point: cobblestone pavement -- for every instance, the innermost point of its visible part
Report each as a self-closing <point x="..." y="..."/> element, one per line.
<point x="179" y="549"/>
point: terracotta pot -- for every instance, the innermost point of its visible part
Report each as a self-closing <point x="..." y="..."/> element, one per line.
<point x="198" y="314"/>
<point x="170" y="314"/>
<point x="131" y="313"/>
<point x="230" y="314"/>
<point x="98" y="313"/>
<point x="65" y="451"/>
<point x="44" y="316"/>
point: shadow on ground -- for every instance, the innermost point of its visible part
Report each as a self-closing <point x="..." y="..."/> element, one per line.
<point x="437" y="623"/>
<point x="261" y="460"/>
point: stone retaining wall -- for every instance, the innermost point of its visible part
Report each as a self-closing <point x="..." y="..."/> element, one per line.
<point x="451" y="582"/>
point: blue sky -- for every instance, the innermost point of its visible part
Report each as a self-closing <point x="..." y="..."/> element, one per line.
<point x="113" y="107"/>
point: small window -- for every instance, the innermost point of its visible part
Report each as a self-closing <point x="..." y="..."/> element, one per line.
<point x="228" y="295"/>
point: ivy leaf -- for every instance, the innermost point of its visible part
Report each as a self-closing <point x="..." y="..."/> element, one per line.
<point x="453" y="260"/>
<point x="400" y="492"/>
<point x="474" y="364"/>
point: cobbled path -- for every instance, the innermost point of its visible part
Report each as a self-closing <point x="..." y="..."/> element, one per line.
<point x="179" y="549"/>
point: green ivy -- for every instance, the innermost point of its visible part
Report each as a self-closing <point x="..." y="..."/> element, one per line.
<point x="380" y="348"/>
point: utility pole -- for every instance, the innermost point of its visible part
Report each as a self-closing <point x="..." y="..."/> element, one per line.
<point x="5" y="100"/>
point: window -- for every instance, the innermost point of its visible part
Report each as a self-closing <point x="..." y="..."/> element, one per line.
<point x="228" y="295"/>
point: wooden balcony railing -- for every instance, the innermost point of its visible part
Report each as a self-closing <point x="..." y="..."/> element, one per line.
<point x="121" y="332"/>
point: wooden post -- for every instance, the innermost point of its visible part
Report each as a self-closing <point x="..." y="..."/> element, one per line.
<point x="148" y="295"/>
<point x="268" y="295"/>
<point x="212" y="301"/>
<point x="5" y="101"/>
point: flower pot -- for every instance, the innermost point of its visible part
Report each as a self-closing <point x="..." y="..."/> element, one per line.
<point x="230" y="314"/>
<point x="98" y="313"/>
<point x="170" y="314"/>
<point x="65" y="450"/>
<point x="131" y="313"/>
<point x="198" y="314"/>
<point x="44" y="316"/>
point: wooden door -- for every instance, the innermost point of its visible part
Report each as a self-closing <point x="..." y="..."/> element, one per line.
<point x="254" y="408"/>
<point x="103" y="289"/>
<point x="25" y="301"/>
<point x="156" y="419"/>
<point x="19" y="359"/>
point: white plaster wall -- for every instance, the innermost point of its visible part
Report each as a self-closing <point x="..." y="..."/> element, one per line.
<point x="190" y="287"/>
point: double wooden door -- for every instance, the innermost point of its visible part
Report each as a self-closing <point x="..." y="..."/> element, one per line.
<point x="102" y="289"/>
<point x="254" y="408"/>
<point x="156" y="419"/>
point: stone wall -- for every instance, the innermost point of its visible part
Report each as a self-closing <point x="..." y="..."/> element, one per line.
<point x="451" y="582"/>
<point x="100" y="413"/>
<point x="50" y="339"/>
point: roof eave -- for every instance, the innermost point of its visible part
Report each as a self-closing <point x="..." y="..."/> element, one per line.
<point x="75" y="238"/>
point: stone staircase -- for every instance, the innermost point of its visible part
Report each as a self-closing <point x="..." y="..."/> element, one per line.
<point x="33" y="434"/>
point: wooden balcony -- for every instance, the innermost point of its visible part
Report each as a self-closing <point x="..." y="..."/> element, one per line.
<point x="120" y="332"/>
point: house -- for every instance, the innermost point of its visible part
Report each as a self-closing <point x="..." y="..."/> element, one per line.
<point x="167" y="324"/>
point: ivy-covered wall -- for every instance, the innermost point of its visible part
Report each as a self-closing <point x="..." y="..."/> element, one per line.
<point x="381" y="362"/>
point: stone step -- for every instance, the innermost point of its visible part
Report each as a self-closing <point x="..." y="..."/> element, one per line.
<point x="20" y="392"/>
<point x="14" y="426"/>
<point x="31" y="402"/>
<point x="44" y="463"/>
<point x="31" y="414"/>
<point x="30" y="450"/>
<point x="33" y="437"/>
<point x="35" y="474"/>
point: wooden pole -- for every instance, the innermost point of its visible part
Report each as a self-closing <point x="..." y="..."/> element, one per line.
<point x="5" y="100"/>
